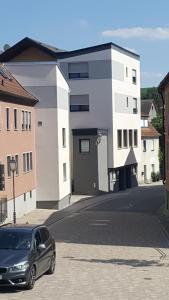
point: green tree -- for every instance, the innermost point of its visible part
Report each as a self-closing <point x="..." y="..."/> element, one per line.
<point x="158" y="123"/>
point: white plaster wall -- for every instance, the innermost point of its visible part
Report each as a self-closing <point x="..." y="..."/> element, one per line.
<point x="126" y="120"/>
<point x="149" y="157"/>
<point x="46" y="82"/>
<point x="22" y="207"/>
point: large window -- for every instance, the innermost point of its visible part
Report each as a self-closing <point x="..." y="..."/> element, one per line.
<point x="84" y="145"/>
<point x="130" y="138"/>
<point x="26" y="120"/>
<point x="78" y="70"/>
<point x="134" y="76"/>
<point x="125" y="142"/>
<point x="27" y="162"/>
<point x="135" y="138"/>
<point x="7" y="119"/>
<point x="15" y="119"/>
<point x="79" y="103"/>
<point x="119" y="139"/>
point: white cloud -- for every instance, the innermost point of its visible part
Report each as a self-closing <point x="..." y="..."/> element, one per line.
<point x="158" y="33"/>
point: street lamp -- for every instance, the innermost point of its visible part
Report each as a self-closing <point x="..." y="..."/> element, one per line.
<point x="12" y="165"/>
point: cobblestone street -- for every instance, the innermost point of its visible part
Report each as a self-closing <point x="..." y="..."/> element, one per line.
<point x="108" y="247"/>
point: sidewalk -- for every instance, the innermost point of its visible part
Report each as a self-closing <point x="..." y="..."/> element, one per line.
<point x="39" y="216"/>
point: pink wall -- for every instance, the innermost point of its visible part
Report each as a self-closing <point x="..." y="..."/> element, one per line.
<point x="14" y="142"/>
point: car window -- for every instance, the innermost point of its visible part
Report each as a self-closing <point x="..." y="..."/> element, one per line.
<point x="37" y="239"/>
<point x="44" y="234"/>
<point x="18" y="240"/>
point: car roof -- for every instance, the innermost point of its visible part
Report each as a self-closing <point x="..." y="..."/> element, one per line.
<point x="25" y="227"/>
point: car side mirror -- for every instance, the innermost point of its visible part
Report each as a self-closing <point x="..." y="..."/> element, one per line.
<point x="41" y="247"/>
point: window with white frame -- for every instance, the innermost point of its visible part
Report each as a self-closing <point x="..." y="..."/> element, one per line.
<point x="27" y="162"/>
<point x="15" y="119"/>
<point x="64" y="137"/>
<point x="78" y="70"/>
<point x="119" y="138"/>
<point x="134" y="76"/>
<point x="64" y="172"/>
<point x="144" y="122"/>
<point x="134" y="105"/>
<point x="29" y="120"/>
<point x="84" y="145"/>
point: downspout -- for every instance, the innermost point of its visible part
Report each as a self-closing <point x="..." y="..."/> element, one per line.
<point x="164" y="174"/>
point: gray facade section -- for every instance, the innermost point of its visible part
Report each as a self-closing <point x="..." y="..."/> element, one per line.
<point x="122" y="105"/>
<point x="48" y="96"/>
<point x="85" y="171"/>
<point x="117" y="70"/>
<point x="57" y="204"/>
<point x="103" y="164"/>
<point x="98" y="69"/>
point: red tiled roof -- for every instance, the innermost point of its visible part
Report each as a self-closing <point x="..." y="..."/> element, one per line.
<point x="10" y="86"/>
<point x="149" y="131"/>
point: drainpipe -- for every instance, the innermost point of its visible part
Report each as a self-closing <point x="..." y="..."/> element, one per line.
<point x="164" y="177"/>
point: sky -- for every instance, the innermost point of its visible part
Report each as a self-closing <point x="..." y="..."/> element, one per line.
<point x="140" y="26"/>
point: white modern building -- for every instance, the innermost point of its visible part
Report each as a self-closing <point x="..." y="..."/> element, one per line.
<point x="105" y="97"/>
<point x="45" y="80"/>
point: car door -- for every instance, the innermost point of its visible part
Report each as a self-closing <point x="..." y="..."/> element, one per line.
<point x="45" y="238"/>
<point x="39" y="255"/>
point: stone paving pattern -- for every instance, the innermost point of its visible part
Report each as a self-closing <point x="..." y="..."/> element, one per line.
<point x="108" y="247"/>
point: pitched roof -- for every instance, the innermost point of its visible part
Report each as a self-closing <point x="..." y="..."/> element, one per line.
<point x="13" y="90"/>
<point x="56" y="52"/>
<point x="146" y="106"/>
<point x="149" y="131"/>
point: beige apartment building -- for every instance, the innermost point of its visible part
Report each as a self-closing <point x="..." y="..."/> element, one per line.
<point x="17" y="140"/>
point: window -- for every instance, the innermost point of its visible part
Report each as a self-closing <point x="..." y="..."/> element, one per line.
<point x="126" y="72"/>
<point x="135" y="138"/>
<point x="79" y="103"/>
<point x="144" y="146"/>
<point x="24" y="197"/>
<point x="63" y="137"/>
<point x="44" y="235"/>
<point x="8" y="166"/>
<point x="127" y="101"/>
<point x="144" y="122"/>
<point x="134" y="105"/>
<point x="119" y="139"/>
<point x="17" y="164"/>
<point x="64" y="172"/>
<point x="15" y="119"/>
<point x="130" y="138"/>
<point x="30" y="194"/>
<point x="134" y="76"/>
<point x="152" y="145"/>
<point x="7" y="119"/>
<point x="23" y="120"/>
<point x="84" y="146"/>
<point x="78" y="70"/>
<point x="27" y="162"/>
<point x="26" y="120"/>
<point x="125" y="138"/>
<point x="29" y="121"/>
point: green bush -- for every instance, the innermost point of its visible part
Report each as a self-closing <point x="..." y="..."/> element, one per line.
<point x="155" y="176"/>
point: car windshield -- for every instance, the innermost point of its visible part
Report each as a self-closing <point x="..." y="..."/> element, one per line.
<point x="16" y="240"/>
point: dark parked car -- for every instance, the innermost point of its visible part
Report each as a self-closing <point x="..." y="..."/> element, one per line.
<point x="26" y="252"/>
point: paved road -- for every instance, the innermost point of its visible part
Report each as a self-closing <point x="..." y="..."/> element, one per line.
<point x="109" y="247"/>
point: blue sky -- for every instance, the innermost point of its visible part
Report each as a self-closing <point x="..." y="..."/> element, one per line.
<point x="139" y="25"/>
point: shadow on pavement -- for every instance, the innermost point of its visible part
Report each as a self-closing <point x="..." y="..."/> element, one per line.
<point x="121" y="262"/>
